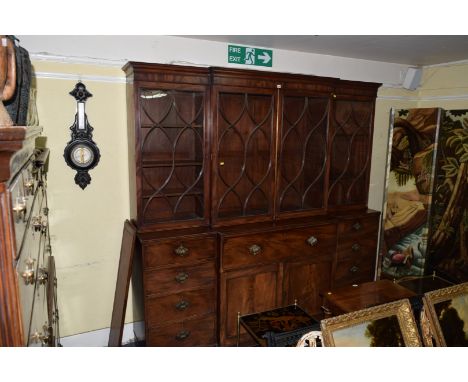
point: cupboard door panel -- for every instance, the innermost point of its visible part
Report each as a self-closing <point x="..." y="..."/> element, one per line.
<point x="244" y="151"/>
<point x="303" y="153"/>
<point x="247" y="291"/>
<point x="171" y="134"/>
<point x="351" y="142"/>
<point x="304" y="280"/>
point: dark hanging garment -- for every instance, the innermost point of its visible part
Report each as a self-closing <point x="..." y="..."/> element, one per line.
<point x="17" y="106"/>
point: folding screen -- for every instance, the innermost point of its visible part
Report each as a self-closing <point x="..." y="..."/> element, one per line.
<point x="425" y="218"/>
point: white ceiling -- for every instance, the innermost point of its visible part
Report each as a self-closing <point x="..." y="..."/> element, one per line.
<point x="408" y="50"/>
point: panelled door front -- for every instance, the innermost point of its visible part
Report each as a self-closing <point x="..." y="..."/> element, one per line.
<point x="351" y="142"/>
<point x="243" y="154"/>
<point x="303" y="143"/>
<point x="246" y="291"/>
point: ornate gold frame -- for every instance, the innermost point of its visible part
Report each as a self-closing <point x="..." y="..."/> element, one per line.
<point x="435" y="297"/>
<point x="400" y="308"/>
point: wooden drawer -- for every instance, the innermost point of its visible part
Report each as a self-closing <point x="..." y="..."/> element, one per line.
<point x="180" y="306"/>
<point x="359" y="246"/>
<point x="354" y="270"/>
<point x="276" y="246"/>
<point x="361" y="226"/>
<point x="179" y="278"/>
<point x="178" y="251"/>
<point x="199" y="332"/>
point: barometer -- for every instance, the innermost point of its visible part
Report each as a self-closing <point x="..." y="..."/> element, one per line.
<point x="81" y="153"/>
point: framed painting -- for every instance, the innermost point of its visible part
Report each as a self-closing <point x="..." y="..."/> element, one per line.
<point x="389" y="324"/>
<point x="447" y="311"/>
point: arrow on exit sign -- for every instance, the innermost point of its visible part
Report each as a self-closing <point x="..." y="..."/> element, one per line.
<point x="246" y="55"/>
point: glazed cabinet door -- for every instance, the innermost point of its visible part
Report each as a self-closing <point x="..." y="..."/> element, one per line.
<point x="304" y="279"/>
<point x="350" y="152"/>
<point x="303" y="144"/>
<point x="172" y="148"/>
<point x="246" y="291"/>
<point x="243" y="154"/>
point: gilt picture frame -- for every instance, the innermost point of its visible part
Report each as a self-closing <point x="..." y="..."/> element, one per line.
<point x="390" y="324"/>
<point x="447" y="312"/>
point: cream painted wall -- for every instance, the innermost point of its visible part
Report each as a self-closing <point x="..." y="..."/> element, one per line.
<point x="116" y="50"/>
<point x="444" y="86"/>
<point x="86" y="226"/>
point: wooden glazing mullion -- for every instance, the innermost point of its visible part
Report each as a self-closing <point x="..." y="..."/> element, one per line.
<point x="279" y="106"/>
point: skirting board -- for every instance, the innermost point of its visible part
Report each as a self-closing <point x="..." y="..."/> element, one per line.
<point x="133" y="331"/>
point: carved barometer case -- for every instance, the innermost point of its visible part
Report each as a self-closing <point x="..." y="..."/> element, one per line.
<point x="81" y="153"/>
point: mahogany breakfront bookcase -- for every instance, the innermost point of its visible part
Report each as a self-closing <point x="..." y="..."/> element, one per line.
<point x="249" y="190"/>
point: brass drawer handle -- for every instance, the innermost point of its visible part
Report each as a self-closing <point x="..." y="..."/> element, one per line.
<point x="182" y="305"/>
<point x="40" y="337"/>
<point x="36" y="223"/>
<point x="357" y="226"/>
<point x="19" y="209"/>
<point x="312" y="241"/>
<point x="28" y="274"/>
<point x="181" y="251"/>
<point x="255" y="249"/>
<point x="356" y="247"/>
<point x="181" y="277"/>
<point x="35" y="337"/>
<point x="182" y="335"/>
<point x="29" y="186"/>
<point x="43" y="276"/>
<point x="353" y="269"/>
<point x="45" y="225"/>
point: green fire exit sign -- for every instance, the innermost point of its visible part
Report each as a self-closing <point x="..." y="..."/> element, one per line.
<point x="246" y="55"/>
